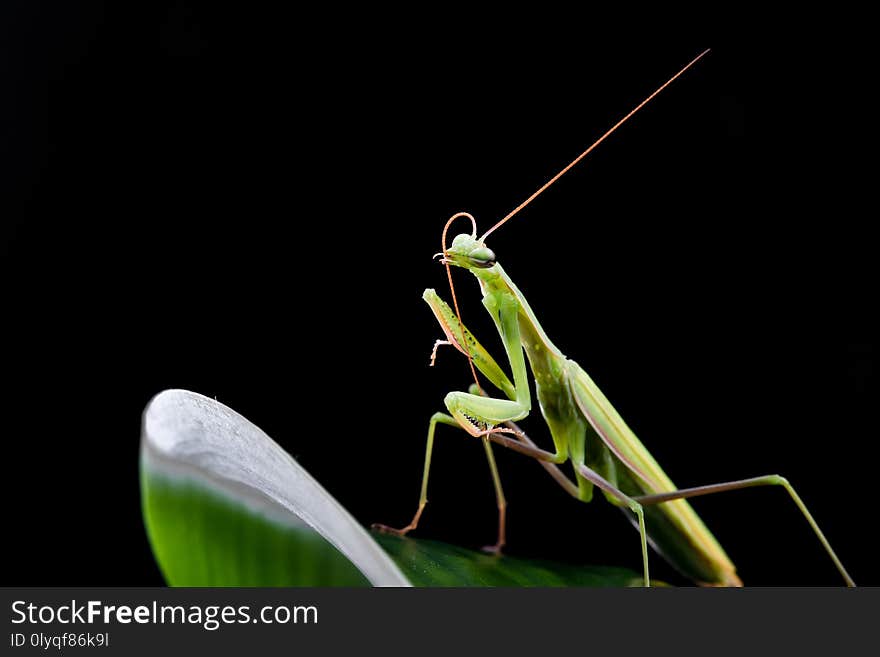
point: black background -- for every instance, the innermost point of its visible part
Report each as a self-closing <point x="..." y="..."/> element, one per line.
<point x="242" y="203"/>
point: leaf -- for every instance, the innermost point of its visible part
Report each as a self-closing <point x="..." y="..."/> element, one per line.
<point x="432" y="563"/>
<point x="224" y="505"/>
<point x="202" y="538"/>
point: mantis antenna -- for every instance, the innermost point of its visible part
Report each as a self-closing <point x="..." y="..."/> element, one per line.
<point x="594" y="144"/>
<point x="462" y="348"/>
<point x="538" y="192"/>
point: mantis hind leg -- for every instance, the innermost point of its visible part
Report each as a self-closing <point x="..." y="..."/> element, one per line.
<point x="443" y="418"/>
<point x="767" y="480"/>
<point x="633" y="503"/>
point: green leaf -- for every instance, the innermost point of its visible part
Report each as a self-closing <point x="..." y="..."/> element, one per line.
<point x="202" y="537"/>
<point x="432" y="563"/>
<point x="224" y="505"/>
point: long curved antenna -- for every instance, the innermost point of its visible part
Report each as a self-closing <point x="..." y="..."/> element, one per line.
<point x="595" y="143"/>
<point x="452" y="288"/>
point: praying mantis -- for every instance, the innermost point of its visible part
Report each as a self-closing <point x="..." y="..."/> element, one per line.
<point x="586" y="429"/>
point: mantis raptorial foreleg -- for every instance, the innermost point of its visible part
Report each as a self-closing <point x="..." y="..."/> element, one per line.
<point x="443" y="418"/>
<point x="475" y="404"/>
<point x="477" y="414"/>
<point x="455" y="330"/>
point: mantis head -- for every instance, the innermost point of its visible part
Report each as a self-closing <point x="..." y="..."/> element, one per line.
<point x="469" y="252"/>
<point x="466" y="251"/>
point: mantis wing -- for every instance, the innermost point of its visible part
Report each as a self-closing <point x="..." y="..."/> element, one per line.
<point x="676" y="531"/>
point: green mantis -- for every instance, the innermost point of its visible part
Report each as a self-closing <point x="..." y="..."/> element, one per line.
<point x="586" y="429"/>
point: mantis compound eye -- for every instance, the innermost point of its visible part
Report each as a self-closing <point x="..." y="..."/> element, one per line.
<point x="482" y="257"/>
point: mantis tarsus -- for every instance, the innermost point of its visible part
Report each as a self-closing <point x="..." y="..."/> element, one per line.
<point x="585" y="427"/>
